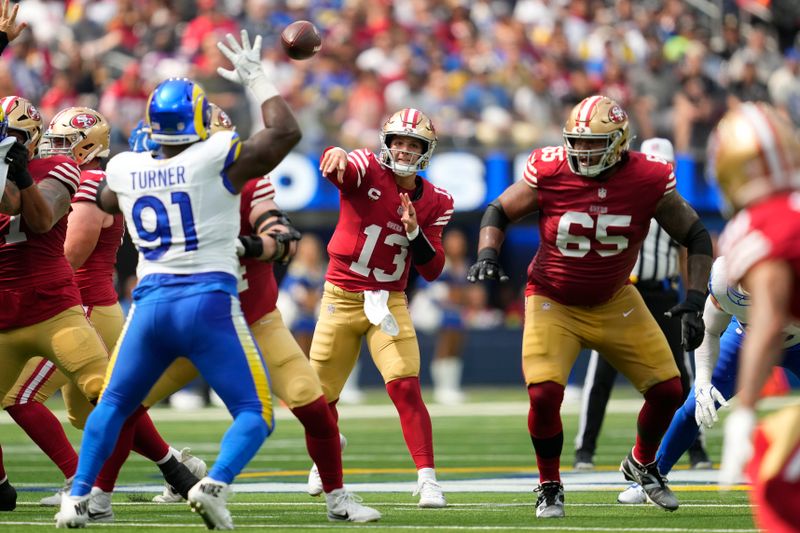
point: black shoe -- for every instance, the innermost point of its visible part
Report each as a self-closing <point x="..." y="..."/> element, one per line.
<point x="699" y="459"/>
<point x="179" y="477"/>
<point x="651" y="480"/>
<point x="8" y="496"/>
<point x="550" y="503"/>
<point x="584" y="460"/>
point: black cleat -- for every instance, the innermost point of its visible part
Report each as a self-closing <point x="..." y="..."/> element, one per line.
<point x="651" y="480"/>
<point x="8" y="496"/>
<point x="550" y="503"/>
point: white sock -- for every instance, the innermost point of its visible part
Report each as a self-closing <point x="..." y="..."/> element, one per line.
<point x="3" y="480"/>
<point x="426" y="474"/>
<point x="172" y="452"/>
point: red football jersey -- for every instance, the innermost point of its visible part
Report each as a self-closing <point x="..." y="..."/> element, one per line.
<point x="369" y="248"/>
<point x="591" y="229"/>
<point x="95" y="278"/>
<point x="36" y="281"/>
<point x="258" y="290"/>
<point x="767" y="230"/>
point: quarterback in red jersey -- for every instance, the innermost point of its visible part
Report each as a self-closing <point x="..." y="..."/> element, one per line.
<point x="84" y="140"/>
<point x="756" y="157"/>
<point x="595" y="200"/>
<point x="389" y="216"/>
<point x="267" y="236"/>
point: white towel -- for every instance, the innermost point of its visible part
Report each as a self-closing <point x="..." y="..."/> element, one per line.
<point x="377" y="311"/>
<point x="5" y="146"/>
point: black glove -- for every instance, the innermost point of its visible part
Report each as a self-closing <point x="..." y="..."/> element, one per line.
<point x="691" y="312"/>
<point x="17" y="160"/>
<point x="487" y="267"/>
<point x="283" y="243"/>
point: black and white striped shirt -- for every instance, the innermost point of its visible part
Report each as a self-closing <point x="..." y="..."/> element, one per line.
<point x="658" y="258"/>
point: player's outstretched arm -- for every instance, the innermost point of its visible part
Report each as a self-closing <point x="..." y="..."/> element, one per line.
<point x="37" y="203"/>
<point x="516" y="202"/>
<point x="9" y="29"/>
<point x="683" y="224"/>
<point x="10" y="203"/>
<point x="263" y="151"/>
<point x="106" y="198"/>
<point x="705" y="357"/>
<point x="274" y="239"/>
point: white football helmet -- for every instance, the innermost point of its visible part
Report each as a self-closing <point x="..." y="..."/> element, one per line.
<point x="410" y="123"/>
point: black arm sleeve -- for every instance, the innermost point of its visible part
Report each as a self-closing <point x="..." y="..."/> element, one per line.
<point x="698" y="240"/>
<point x="495" y="216"/>
<point x="3" y="41"/>
<point x="422" y="250"/>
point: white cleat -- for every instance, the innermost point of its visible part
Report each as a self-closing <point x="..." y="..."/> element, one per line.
<point x="633" y="495"/>
<point x="345" y="506"/>
<point x="314" y="480"/>
<point x="55" y="499"/>
<point x="208" y="499"/>
<point x="100" y="506"/>
<point x="74" y="512"/>
<point x="195" y="465"/>
<point x="430" y="495"/>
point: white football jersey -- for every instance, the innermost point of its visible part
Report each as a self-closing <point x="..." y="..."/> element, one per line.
<point x="736" y="302"/>
<point x="182" y="213"/>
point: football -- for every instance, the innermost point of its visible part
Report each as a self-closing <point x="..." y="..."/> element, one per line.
<point x="301" y="40"/>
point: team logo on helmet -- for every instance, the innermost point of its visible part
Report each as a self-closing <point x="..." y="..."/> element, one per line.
<point x="34" y="113"/>
<point x="617" y="115"/>
<point x="83" y="121"/>
<point x="224" y="120"/>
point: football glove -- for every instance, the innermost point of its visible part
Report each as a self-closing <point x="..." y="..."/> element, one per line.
<point x="17" y="160"/>
<point x="247" y="69"/>
<point x="486" y="267"/>
<point x="738" y="445"/>
<point x="690" y="312"/>
<point x="706" y="397"/>
<point x="284" y="251"/>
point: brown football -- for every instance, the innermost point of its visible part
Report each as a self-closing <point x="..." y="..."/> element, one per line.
<point x="301" y="40"/>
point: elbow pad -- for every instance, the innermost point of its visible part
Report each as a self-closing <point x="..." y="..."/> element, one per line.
<point x="698" y="240"/>
<point x="495" y="216"/>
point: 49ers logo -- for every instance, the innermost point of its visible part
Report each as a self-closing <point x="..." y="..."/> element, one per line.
<point x="224" y="119"/>
<point x="83" y="121"/>
<point x="617" y="115"/>
<point x="34" y="113"/>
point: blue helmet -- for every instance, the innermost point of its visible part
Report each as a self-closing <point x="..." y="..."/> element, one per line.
<point x="3" y="125"/>
<point x="178" y="112"/>
<point x="139" y="139"/>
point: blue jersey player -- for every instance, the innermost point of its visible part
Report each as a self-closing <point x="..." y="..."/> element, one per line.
<point x="183" y="214"/>
<point x="717" y="363"/>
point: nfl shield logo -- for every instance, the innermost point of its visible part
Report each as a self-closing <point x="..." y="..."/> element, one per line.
<point x="331" y="309"/>
<point x="601" y="192"/>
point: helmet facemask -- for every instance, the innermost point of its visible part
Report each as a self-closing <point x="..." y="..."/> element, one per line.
<point x="388" y="155"/>
<point x="593" y="161"/>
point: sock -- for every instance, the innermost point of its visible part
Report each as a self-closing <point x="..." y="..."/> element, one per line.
<point x="414" y="419"/>
<point x="660" y="402"/>
<point x="107" y="477"/>
<point x="334" y="410"/>
<point x="544" y="426"/>
<point x="680" y="435"/>
<point x="322" y="441"/>
<point x="239" y="444"/>
<point x="46" y="431"/>
<point x="170" y="454"/>
<point x="148" y="442"/>
<point x="426" y="474"/>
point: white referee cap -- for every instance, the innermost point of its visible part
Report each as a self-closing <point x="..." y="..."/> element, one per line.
<point x="659" y="147"/>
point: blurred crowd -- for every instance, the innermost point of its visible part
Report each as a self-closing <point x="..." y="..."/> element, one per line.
<point x="492" y="74"/>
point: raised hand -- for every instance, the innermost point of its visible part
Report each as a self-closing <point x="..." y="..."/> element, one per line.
<point x="334" y="160"/>
<point x="246" y="60"/>
<point x="409" y="215"/>
<point x="8" y="21"/>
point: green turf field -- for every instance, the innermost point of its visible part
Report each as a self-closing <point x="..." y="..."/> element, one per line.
<point x="484" y="460"/>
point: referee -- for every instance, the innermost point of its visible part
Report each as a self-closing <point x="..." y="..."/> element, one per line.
<point x="655" y="275"/>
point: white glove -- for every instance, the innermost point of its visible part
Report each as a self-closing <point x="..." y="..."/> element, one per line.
<point x="705" y="410"/>
<point x="247" y="69"/>
<point x="738" y="445"/>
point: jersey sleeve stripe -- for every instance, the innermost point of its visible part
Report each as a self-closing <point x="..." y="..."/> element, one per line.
<point x="671" y="183"/>
<point x="231" y="157"/>
<point x="360" y="161"/>
<point x="87" y="191"/>
<point x="67" y="175"/>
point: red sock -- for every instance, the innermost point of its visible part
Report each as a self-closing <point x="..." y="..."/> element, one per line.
<point x="147" y="441"/>
<point x="660" y="402"/>
<point x="334" y="410"/>
<point x="414" y="419"/>
<point x="2" y="467"/>
<point x="322" y="441"/>
<point x="544" y="426"/>
<point x="108" y="475"/>
<point x="46" y="431"/>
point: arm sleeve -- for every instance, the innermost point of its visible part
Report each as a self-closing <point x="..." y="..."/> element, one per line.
<point x="705" y="356"/>
<point x="3" y="41"/>
<point x="358" y="162"/>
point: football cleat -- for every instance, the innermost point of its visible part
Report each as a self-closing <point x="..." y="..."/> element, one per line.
<point x="633" y="495"/>
<point x="8" y="496"/>
<point x="100" y="506"/>
<point x="550" y="503"/>
<point x="208" y="499"/>
<point x="55" y="499"/>
<point x="584" y="461"/>
<point x="314" y="480"/>
<point x="195" y="465"/>
<point x="345" y="506"/>
<point x="430" y="495"/>
<point x="74" y="512"/>
<point x="651" y="481"/>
